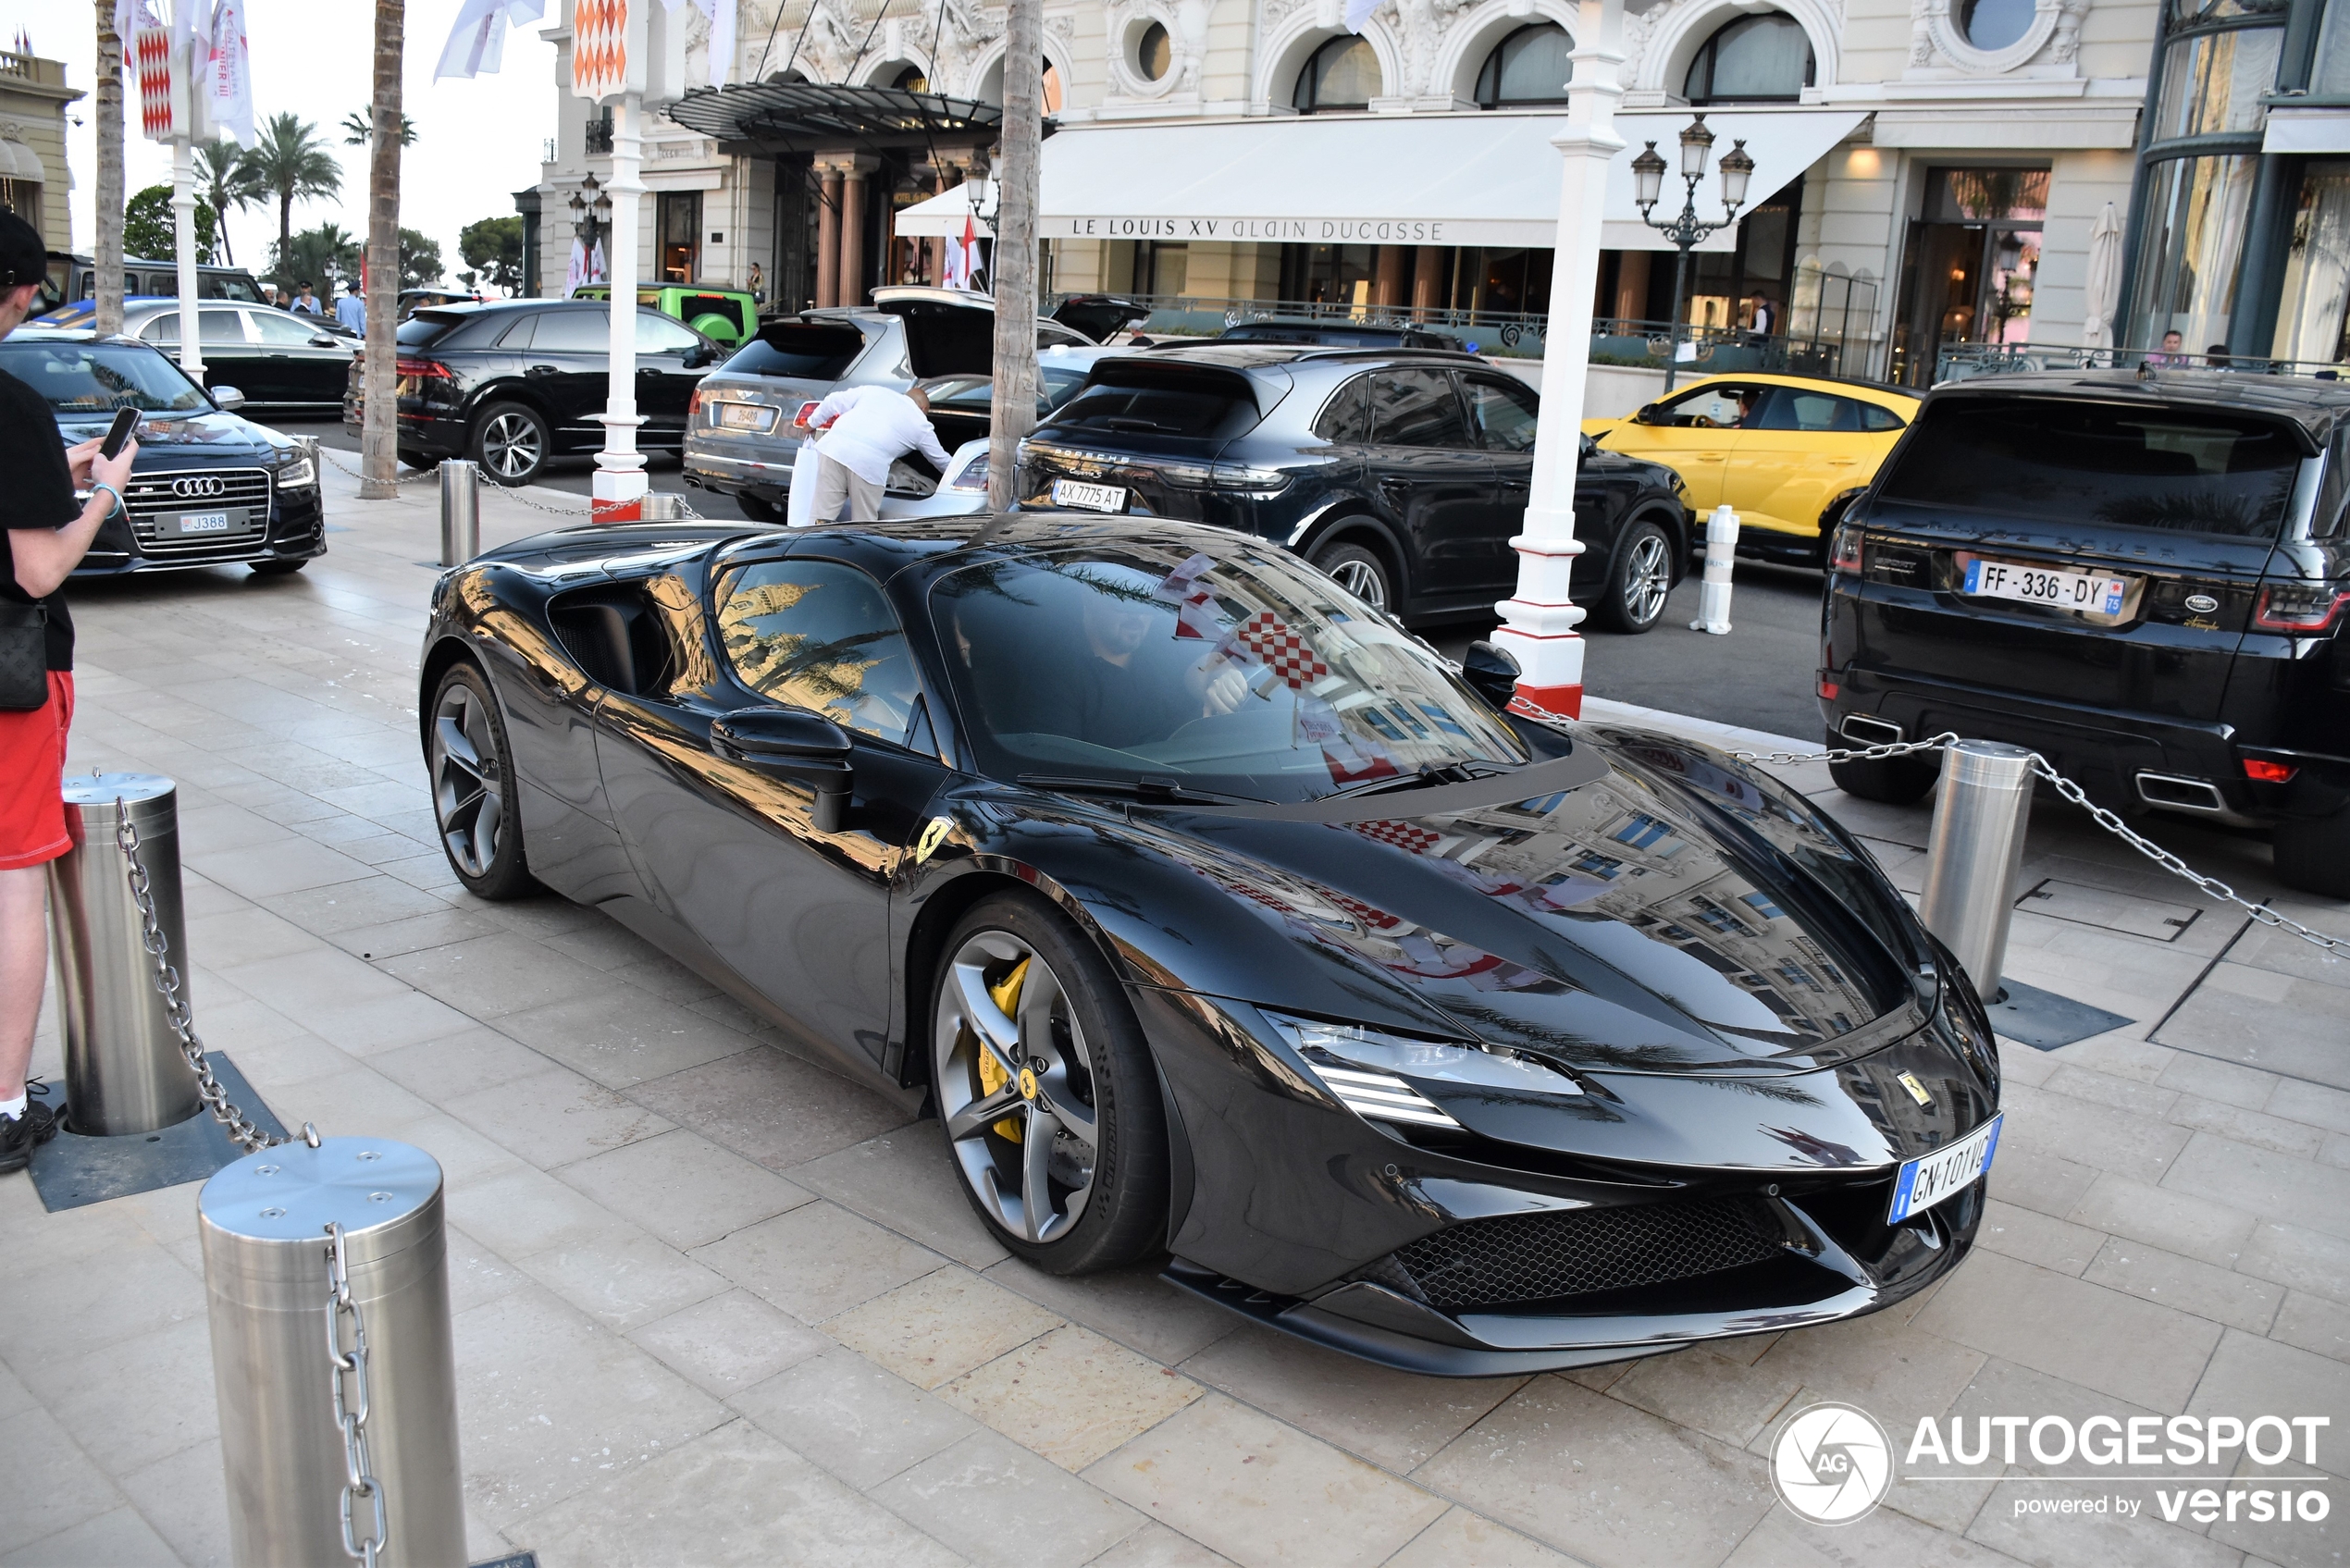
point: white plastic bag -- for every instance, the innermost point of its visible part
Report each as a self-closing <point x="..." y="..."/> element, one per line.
<point x="799" y="509"/>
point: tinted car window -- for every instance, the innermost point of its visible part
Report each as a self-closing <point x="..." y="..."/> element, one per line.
<point x="1416" y="408"/>
<point x="1718" y="407"/>
<point x="658" y="335"/>
<point x="222" y="326"/>
<point x="572" y="332"/>
<point x="2180" y="469"/>
<point x="1798" y="408"/>
<point x="1176" y="406"/>
<point x="1873" y="418"/>
<point x="1503" y="412"/>
<point x="1346" y="417"/>
<point x="800" y="350"/>
<point x="426" y="328"/>
<point x="283" y="330"/>
<point x="518" y="335"/>
<point x="816" y="635"/>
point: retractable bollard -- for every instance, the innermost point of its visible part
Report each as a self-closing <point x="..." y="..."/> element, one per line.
<point x="124" y="1070"/>
<point x="293" y="1429"/>
<point x="1713" y="593"/>
<point x="460" y="510"/>
<point x="1980" y="813"/>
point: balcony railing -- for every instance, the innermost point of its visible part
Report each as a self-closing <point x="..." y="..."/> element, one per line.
<point x="1960" y="361"/>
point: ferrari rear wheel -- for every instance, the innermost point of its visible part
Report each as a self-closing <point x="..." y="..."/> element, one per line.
<point x="1047" y="1092"/>
<point x="473" y="775"/>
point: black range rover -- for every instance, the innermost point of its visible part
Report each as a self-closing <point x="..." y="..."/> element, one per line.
<point x="2143" y="576"/>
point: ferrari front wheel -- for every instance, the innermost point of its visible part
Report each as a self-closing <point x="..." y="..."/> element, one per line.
<point x="1047" y="1092"/>
<point x="472" y="772"/>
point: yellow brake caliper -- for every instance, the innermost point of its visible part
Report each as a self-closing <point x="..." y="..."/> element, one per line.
<point x="1004" y="993"/>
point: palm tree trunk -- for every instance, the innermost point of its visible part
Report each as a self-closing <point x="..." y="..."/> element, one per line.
<point x="285" y="237"/>
<point x="106" y="244"/>
<point x="1013" y="269"/>
<point x="379" y="439"/>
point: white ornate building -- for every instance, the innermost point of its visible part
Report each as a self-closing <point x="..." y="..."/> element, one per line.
<point x="1949" y="157"/>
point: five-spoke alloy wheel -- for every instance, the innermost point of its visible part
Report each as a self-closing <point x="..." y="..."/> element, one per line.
<point x="1045" y="1092"/>
<point x="511" y="444"/>
<point x="1639" y="580"/>
<point x="472" y="775"/>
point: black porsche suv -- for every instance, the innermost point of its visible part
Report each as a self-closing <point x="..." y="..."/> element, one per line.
<point x="1403" y="473"/>
<point x="2143" y="576"/>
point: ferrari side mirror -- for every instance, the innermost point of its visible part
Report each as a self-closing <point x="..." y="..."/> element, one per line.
<point x="794" y="744"/>
<point x="1648" y="415"/>
<point x="1492" y="674"/>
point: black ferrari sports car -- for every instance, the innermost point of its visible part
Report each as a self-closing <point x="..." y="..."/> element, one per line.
<point x="1216" y="919"/>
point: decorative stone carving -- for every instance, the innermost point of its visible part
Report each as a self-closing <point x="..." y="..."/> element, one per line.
<point x="1938" y="45"/>
<point x="2065" y="47"/>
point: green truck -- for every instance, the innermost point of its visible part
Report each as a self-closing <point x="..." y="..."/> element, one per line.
<point x="728" y="315"/>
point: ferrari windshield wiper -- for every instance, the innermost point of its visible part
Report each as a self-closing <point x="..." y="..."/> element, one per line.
<point x="1139" y="789"/>
<point x="1450" y="772"/>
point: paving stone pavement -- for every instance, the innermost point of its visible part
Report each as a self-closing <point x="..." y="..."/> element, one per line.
<point x="716" y="1304"/>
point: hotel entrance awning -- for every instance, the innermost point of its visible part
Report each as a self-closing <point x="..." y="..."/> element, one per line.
<point x="1377" y="179"/>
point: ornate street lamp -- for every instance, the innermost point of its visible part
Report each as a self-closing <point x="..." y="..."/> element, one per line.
<point x="1687" y="229"/>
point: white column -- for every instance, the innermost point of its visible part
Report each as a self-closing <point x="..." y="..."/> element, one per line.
<point x="618" y="490"/>
<point x="1538" y="622"/>
<point x="183" y="223"/>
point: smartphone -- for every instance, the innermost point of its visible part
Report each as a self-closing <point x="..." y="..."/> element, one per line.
<point x="125" y="421"/>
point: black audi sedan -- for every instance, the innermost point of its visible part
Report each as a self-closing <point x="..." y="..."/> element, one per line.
<point x="210" y="487"/>
<point x="1403" y="473"/>
<point x="2142" y="576"/>
<point x="514" y="383"/>
<point x="282" y="361"/>
<point x="1219" y="922"/>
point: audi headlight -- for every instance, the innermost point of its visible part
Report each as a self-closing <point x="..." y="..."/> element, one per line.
<point x="298" y="470"/>
<point x="1368" y="1071"/>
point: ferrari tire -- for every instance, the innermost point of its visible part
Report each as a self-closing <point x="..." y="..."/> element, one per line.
<point x="511" y="444"/>
<point x="1895" y="781"/>
<point x="1640" y="579"/>
<point x="471" y="770"/>
<point x="1047" y="1092"/>
<point x="1358" y="570"/>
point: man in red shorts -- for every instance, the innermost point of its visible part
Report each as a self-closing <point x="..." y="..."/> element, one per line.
<point x="44" y="532"/>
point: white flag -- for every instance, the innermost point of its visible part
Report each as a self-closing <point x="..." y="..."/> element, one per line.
<point x="478" y="40"/>
<point x="576" y="273"/>
<point x="229" y="78"/>
<point x="719" y="14"/>
<point x="1358" y="12"/>
<point x="596" y="273"/>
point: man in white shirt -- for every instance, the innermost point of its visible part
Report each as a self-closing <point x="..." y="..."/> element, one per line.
<point x="865" y="430"/>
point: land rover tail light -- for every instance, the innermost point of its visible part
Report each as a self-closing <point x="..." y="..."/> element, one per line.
<point x="1844" y="555"/>
<point x="2260" y="770"/>
<point x="2303" y="610"/>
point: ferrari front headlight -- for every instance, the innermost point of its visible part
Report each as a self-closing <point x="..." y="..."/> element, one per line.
<point x="1368" y="1070"/>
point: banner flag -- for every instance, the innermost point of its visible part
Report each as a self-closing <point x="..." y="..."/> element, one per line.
<point x="230" y="76"/>
<point x="478" y="40"/>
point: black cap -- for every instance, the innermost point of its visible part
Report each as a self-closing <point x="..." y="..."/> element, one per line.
<point x="23" y="258"/>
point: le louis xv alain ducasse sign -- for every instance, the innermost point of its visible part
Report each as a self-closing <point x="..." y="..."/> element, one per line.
<point x="1313" y="230"/>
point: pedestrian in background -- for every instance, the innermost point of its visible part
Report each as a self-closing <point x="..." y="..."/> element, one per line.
<point x="307" y="301"/>
<point x="44" y="532"/>
<point x="865" y="430"/>
<point x="351" y="309"/>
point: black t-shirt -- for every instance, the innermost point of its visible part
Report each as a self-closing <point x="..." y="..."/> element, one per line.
<point x="39" y="495"/>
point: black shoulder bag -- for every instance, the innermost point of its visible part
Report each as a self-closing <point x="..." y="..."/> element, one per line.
<point x="24" y="657"/>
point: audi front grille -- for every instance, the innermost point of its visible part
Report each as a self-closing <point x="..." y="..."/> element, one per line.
<point x="152" y="498"/>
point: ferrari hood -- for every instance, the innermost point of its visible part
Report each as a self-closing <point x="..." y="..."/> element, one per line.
<point x="1643" y="906"/>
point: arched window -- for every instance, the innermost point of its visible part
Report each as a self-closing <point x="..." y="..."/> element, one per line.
<point x="912" y="80"/>
<point x="1759" y="59"/>
<point x="1529" y="66"/>
<point x="1343" y="74"/>
<point x="991" y="87"/>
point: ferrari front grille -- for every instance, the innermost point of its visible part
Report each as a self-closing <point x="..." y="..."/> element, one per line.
<point x="1538" y="1257"/>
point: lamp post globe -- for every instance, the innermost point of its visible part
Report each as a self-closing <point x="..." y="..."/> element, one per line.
<point x="1648" y="173"/>
<point x="1737" y="167"/>
<point x="1696" y="142"/>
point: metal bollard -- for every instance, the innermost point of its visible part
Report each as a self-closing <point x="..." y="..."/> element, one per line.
<point x="662" y="506"/>
<point x="266" y="1273"/>
<point x="124" y="1072"/>
<point x="460" y="510"/>
<point x="1713" y="593"/>
<point x="1980" y="814"/>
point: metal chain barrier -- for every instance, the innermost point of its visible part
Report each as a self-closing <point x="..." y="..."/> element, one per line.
<point x="242" y="1132"/>
<point x="326" y="455"/>
<point x="2211" y="887"/>
<point x="350" y="1411"/>
<point x="510" y="492"/>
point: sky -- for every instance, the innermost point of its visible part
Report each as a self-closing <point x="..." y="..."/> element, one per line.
<point x="477" y="142"/>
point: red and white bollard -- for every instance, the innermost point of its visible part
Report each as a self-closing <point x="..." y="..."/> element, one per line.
<point x="1713" y="593"/>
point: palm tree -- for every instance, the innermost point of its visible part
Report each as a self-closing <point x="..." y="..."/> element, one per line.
<point x="226" y="180"/>
<point x="359" y="129"/>
<point x="289" y="162"/>
<point x="108" y="246"/>
<point x="379" y="437"/>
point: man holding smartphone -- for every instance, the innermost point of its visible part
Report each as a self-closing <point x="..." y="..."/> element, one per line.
<point x="44" y="531"/>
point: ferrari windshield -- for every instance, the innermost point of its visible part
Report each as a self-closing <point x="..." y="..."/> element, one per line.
<point x="1249" y="676"/>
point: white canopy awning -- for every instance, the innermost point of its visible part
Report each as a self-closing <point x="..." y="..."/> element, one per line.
<point x="1379" y="180"/>
<point x="20" y="162"/>
<point x="2308" y="130"/>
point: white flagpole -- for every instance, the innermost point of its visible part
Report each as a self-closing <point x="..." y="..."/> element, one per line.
<point x="186" y="94"/>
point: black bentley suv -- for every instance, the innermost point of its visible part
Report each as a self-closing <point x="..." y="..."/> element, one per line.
<point x="2142" y="576"/>
<point x="210" y="487"/>
<point x="1403" y="472"/>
